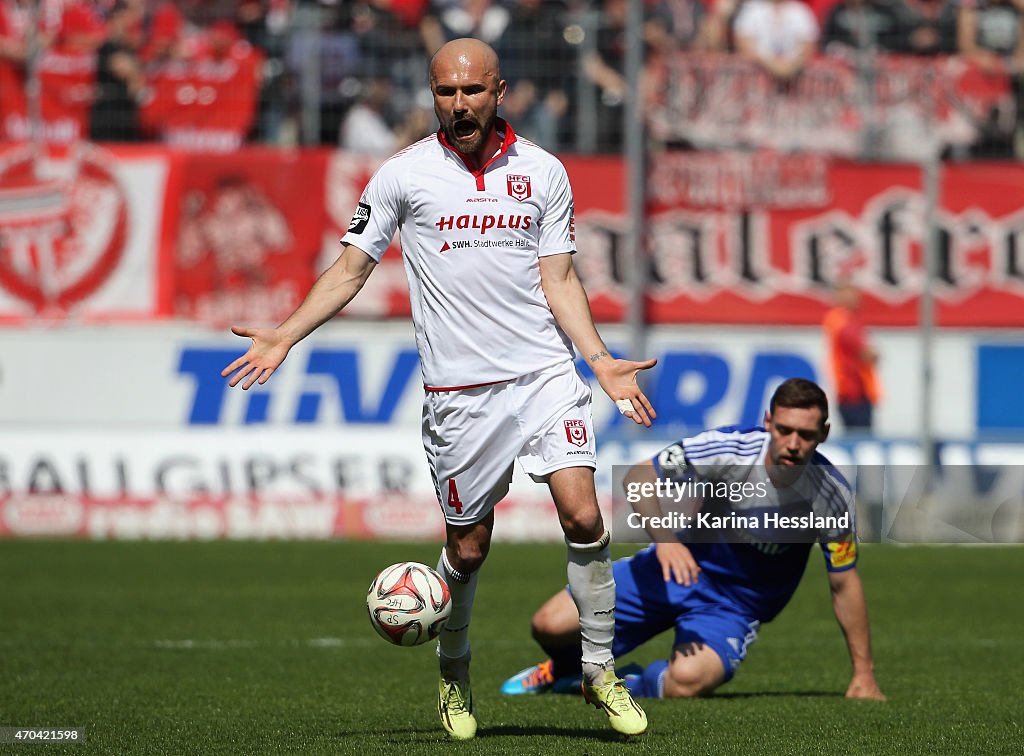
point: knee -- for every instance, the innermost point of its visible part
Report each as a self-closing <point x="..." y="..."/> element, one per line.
<point x="466" y="555"/>
<point x="683" y="681"/>
<point x="542" y="626"/>
<point x="585" y="526"/>
<point x="556" y="624"/>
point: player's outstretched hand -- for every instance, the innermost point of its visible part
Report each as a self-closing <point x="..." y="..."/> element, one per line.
<point x="677" y="563"/>
<point x="268" y="350"/>
<point x="618" y="379"/>
<point x="863" y="686"/>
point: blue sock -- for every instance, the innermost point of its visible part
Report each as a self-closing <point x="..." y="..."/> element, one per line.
<point x="650" y="684"/>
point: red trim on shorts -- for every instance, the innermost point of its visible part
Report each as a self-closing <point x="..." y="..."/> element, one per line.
<point x="438" y="389"/>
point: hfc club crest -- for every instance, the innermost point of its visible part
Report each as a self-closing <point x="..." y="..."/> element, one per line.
<point x="63" y="226"/>
<point x="576" y="432"/>
<point x="519" y="187"/>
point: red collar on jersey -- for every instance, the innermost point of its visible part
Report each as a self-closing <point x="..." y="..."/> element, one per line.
<point x="510" y="137"/>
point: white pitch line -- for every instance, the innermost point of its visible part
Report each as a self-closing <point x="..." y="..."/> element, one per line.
<point x="231" y="643"/>
<point x="225" y="644"/>
<point x="371" y="641"/>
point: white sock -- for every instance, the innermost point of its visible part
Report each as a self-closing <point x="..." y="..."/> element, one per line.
<point x="593" y="589"/>
<point x="453" y="643"/>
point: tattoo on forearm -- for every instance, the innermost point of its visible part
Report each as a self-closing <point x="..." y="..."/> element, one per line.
<point x="599" y="355"/>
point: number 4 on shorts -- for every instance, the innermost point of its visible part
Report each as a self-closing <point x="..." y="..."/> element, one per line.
<point x="453" y="497"/>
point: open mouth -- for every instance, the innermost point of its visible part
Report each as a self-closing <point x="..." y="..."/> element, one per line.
<point x="464" y="128"/>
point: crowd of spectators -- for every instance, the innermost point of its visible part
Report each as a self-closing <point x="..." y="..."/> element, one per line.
<point x="209" y="74"/>
<point x="188" y="73"/>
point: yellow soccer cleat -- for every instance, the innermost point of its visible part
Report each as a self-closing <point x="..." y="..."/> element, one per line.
<point x="610" y="694"/>
<point x="455" y="707"/>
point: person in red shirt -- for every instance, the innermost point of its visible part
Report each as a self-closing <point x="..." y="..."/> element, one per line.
<point x="852" y="360"/>
<point x="13" y="52"/>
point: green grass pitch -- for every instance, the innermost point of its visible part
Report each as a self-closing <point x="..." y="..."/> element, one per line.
<point x="252" y="648"/>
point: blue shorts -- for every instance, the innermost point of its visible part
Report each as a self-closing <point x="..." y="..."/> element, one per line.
<point x="645" y="606"/>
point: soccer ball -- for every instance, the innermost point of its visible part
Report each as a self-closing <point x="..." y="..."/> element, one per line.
<point x="409" y="604"/>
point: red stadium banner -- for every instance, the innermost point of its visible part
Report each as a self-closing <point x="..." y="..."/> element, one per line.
<point x="763" y="245"/>
<point x="760" y="238"/>
<point x="247" y="234"/>
<point x="733" y="238"/>
<point x="82" y="232"/>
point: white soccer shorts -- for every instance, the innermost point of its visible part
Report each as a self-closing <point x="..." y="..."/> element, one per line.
<point x="472" y="437"/>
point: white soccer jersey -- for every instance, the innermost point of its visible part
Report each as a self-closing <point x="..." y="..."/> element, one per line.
<point x="471" y="241"/>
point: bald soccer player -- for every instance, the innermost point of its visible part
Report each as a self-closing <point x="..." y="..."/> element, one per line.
<point x="486" y="226"/>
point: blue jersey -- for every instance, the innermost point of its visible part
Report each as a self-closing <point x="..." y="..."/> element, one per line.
<point x="753" y="568"/>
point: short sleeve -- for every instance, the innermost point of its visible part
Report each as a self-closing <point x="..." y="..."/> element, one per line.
<point x="705" y="455"/>
<point x="840" y="555"/>
<point x="721" y="453"/>
<point x="380" y="210"/>
<point x="557" y="226"/>
<point x="670" y="462"/>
